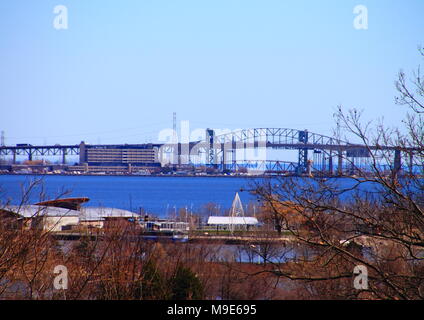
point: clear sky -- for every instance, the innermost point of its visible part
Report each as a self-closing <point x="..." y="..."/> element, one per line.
<point x="122" y="67"/>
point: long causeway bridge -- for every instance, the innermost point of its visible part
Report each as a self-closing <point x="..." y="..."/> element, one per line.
<point x="248" y="148"/>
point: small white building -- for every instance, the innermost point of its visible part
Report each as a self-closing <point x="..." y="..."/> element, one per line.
<point x="236" y="220"/>
<point x="232" y="223"/>
<point x="165" y="226"/>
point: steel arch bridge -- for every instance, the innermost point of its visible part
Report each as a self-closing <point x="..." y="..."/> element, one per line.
<point x="277" y="138"/>
<point x="328" y="153"/>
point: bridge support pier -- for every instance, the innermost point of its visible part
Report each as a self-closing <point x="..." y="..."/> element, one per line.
<point x="179" y="153"/>
<point x="224" y="157"/>
<point x="82" y="153"/>
<point x="397" y="163"/>
<point x="411" y="163"/>
<point x="210" y="134"/>
<point x="340" y="163"/>
<point x="302" y="162"/>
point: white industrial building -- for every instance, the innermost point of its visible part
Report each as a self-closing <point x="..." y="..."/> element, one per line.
<point x="46" y="218"/>
<point x="58" y="219"/>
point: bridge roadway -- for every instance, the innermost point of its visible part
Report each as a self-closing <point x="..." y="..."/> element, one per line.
<point x="64" y="150"/>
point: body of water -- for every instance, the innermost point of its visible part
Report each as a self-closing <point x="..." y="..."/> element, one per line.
<point x="160" y="196"/>
<point x="157" y="195"/>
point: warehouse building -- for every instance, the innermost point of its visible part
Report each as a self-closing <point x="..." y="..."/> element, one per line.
<point x="42" y="217"/>
<point x="55" y="219"/>
<point x="141" y="155"/>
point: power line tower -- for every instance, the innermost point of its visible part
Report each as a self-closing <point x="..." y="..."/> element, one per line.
<point x="174" y="127"/>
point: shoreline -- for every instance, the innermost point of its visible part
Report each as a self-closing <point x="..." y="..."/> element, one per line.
<point x="183" y="176"/>
<point x="135" y="175"/>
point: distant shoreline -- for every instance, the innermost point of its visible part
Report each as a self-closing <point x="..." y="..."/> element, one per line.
<point x="135" y="175"/>
<point x="176" y="176"/>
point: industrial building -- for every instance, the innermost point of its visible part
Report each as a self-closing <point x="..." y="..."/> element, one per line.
<point x="55" y="219"/>
<point x="41" y="217"/>
<point x="144" y="155"/>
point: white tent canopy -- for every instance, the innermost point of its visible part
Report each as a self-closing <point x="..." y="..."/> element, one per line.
<point x="232" y="221"/>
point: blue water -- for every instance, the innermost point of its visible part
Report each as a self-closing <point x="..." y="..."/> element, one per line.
<point x="157" y="195"/>
<point x="161" y="196"/>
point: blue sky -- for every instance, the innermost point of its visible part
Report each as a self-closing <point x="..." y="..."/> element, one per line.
<point x="122" y="67"/>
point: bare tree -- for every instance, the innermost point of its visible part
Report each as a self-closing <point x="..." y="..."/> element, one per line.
<point x="373" y="218"/>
